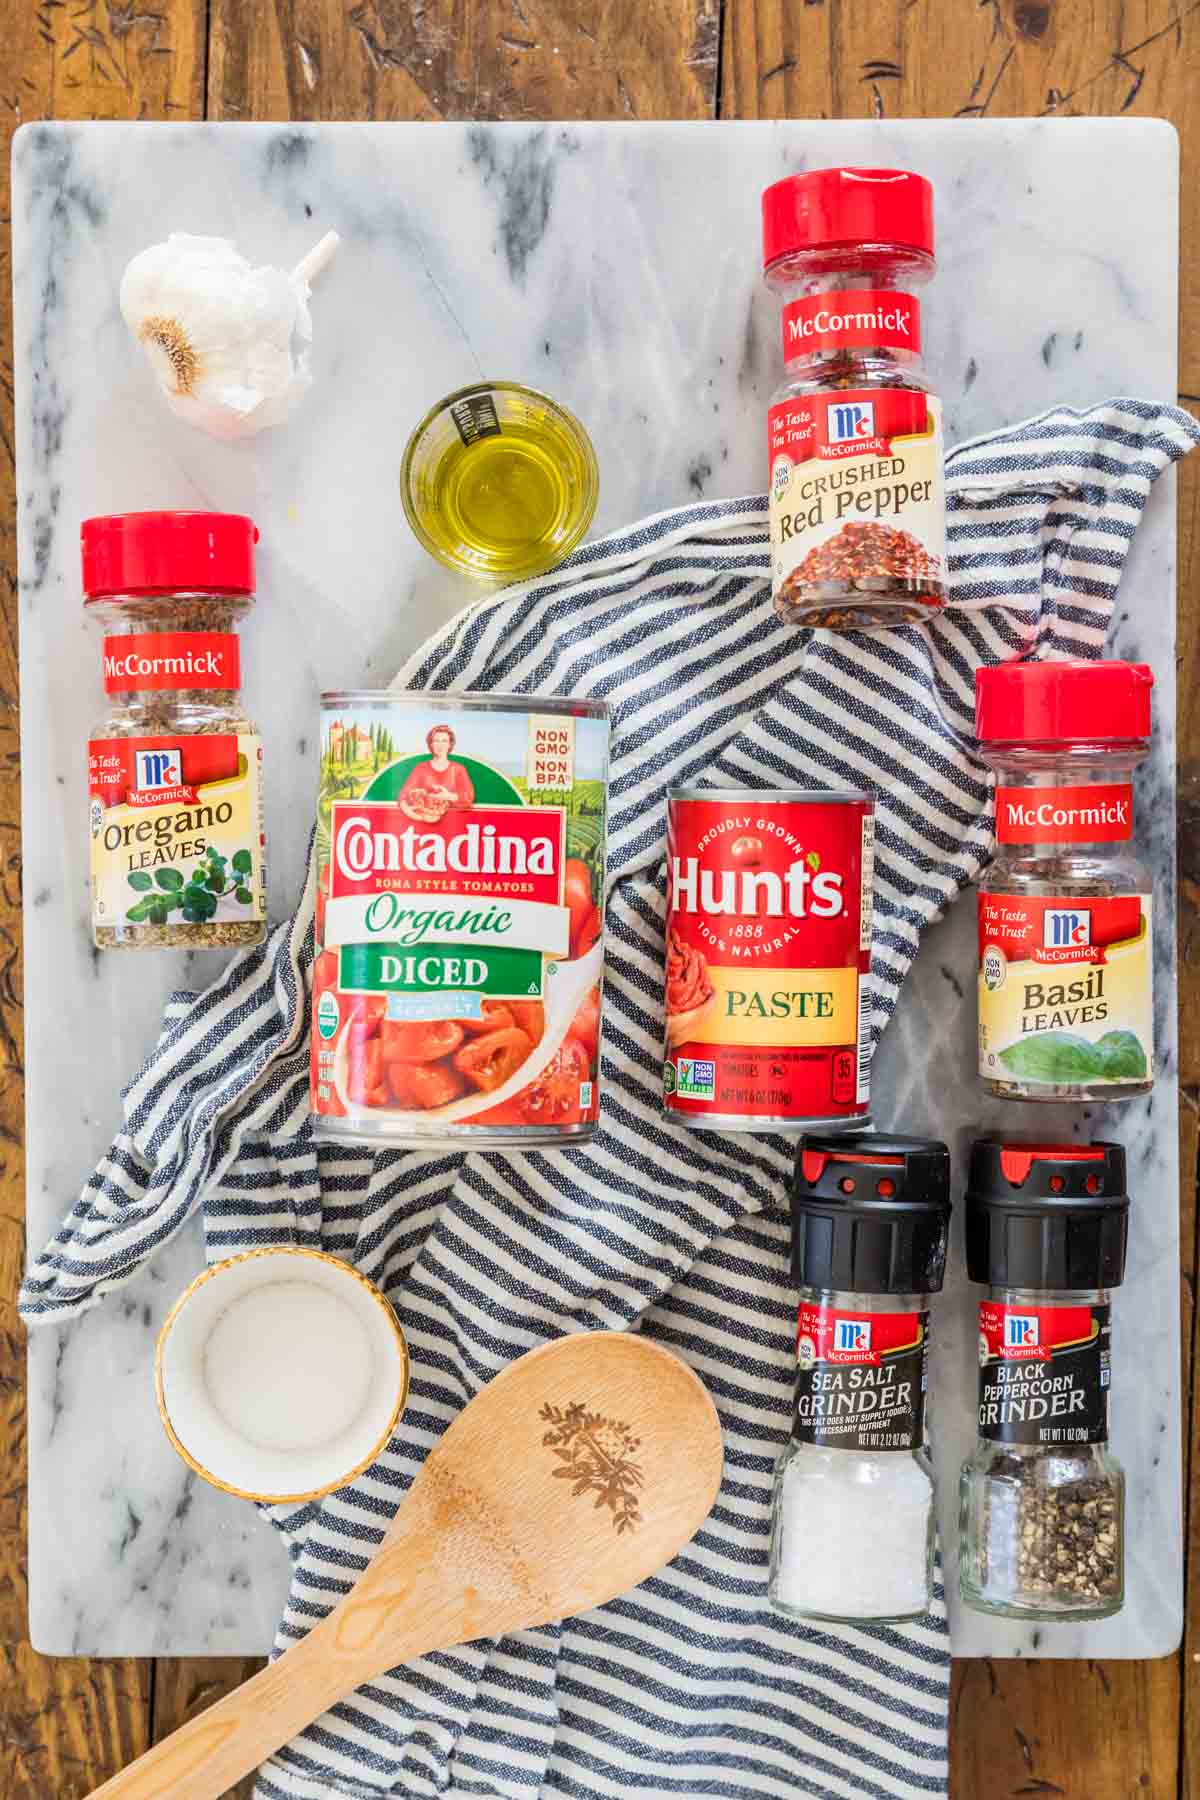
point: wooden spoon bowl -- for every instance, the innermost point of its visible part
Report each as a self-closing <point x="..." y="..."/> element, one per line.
<point x="574" y="1475"/>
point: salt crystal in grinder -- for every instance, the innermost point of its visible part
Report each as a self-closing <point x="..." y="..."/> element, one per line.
<point x="853" y="1517"/>
<point x="1042" y="1499"/>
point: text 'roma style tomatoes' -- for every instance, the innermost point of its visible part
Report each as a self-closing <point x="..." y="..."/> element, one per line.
<point x="488" y="1061"/>
<point x="419" y="1040"/>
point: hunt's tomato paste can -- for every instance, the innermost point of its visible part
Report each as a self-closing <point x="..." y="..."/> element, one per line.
<point x="460" y="860"/>
<point x="768" y="949"/>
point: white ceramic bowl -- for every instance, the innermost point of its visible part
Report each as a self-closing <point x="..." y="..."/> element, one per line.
<point x="281" y="1374"/>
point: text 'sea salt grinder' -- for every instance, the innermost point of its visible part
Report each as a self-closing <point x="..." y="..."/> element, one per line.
<point x="1043" y="1499"/>
<point x="853" y="1526"/>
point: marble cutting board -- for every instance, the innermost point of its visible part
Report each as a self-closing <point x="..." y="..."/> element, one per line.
<point x="616" y="266"/>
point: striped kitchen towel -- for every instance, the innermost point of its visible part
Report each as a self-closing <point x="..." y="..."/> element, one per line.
<point x="688" y="1686"/>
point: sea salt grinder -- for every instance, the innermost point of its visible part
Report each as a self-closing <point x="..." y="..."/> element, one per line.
<point x="1043" y="1498"/>
<point x="853" y="1514"/>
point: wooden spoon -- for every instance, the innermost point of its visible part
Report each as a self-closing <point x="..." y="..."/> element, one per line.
<point x="575" y="1474"/>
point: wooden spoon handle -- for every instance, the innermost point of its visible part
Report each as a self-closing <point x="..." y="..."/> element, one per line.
<point x="211" y="1753"/>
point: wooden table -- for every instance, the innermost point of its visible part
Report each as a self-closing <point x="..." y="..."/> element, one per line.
<point x="1093" y="1731"/>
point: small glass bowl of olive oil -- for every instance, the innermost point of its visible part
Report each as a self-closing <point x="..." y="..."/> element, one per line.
<point x="499" y="481"/>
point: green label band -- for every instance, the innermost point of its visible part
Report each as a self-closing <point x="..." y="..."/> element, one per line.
<point x="395" y="969"/>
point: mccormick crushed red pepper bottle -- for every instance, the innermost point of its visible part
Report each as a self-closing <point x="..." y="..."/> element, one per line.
<point x="1043" y="1499"/>
<point x="857" y="502"/>
<point x="1066" y="963"/>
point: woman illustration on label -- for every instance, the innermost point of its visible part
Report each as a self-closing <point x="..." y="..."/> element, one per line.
<point x="438" y="786"/>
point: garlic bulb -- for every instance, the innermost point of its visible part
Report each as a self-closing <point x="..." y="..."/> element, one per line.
<point x="227" y="342"/>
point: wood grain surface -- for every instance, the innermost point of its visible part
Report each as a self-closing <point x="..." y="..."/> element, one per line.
<point x="1091" y="1731"/>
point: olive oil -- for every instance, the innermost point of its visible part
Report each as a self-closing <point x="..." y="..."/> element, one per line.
<point x="499" y="482"/>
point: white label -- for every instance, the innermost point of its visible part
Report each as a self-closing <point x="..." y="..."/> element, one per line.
<point x="411" y="920"/>
<point x="867" y="883"/>
<point x="550" y="761"/>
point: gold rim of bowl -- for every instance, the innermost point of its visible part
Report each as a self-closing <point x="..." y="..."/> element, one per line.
<point x="587" y="509"/>
<point x="318" y="1493"/>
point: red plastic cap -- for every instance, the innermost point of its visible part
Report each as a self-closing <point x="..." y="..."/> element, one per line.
<point x="829" y="207"/>
<point x="1016" y="1160"/>
<point x="1063" y="702"/>
<point x="154" y="552"/>
<point x="813" y="1163"/>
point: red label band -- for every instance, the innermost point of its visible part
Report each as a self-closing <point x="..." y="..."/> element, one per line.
<point x="860" y="1378"/>
<point x="1065" y="815"/>
<point x="156" y="660"/>
<point x="483" y="852"/>
<point x="159" y="771"/>
<point x="857" y="1337"/>
<point x="843" y="423"/>
<point x="1060" y="929"/>
<point x="768" y="946"/>
<point x="768" y="883"/>
<point x="1044" y="1374"/>
<point x="850" y="320"/>
<point x="1032" y="1333"/>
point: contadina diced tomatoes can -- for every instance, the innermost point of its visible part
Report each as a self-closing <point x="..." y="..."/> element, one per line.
<point x="768" y="948"/>
<point x="460" y="851"/>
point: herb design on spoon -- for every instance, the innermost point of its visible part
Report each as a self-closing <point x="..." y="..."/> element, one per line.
<point x="596" y="1455"/>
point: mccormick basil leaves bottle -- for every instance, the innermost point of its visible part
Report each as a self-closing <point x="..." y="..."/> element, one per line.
<point x="853" y="1523"/>
<point x="1042" y="1499"/>
<point x="1066" y="964"/>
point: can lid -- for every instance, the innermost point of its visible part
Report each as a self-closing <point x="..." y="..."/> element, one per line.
<point x="1048" y="1216"/>
<point x="1071" y="701"/>
<point x="826" y="208"/>
<point x="155" y="552"/>
<point x="870" y="1213"/>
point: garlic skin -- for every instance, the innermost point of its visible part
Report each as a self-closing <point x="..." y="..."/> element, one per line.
<point x="228" y="342"/>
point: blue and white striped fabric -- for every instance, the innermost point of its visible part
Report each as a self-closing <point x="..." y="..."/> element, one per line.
<point x="688" y="1686"/>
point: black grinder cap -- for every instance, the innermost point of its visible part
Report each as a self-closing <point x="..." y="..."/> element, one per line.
<point x="1047" y="1216"/>
<point x="870" y="1213"/>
